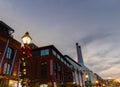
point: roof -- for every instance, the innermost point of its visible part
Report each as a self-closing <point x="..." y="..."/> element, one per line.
<point x="5" y="27"/>
<point x="85" y="68"/>
<point x="51" y="47"/>
<point x="72" y="60"/>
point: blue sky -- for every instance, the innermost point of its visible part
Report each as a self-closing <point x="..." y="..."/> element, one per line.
<point x="94" y="24"/>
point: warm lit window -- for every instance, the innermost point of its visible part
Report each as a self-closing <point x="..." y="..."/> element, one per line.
<point x="43" y="85"/>
<point x="9" y="53"/>
<point x="6" y="68"/>
<point x="44" y="52"/>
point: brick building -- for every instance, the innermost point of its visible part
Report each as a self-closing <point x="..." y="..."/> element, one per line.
<point x="49" y="67"/>
<point x="9" y="52"/>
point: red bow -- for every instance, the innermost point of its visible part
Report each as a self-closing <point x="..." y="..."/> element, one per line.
<point x="25" y="50"/>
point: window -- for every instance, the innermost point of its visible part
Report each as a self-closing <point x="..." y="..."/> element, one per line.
<point x="43" y="85"/>
<point x="65" y="62"/>
<point x="9" y="53"/>
<point x="1" y="45"/>
<point x="57" y="67"/>
<point x="43" y="70"/>
<point x="44" y="52"/>
<point x="62" y="59"/>
<point x="57" y="71"/>
<point x="58" y="56"/>
<point x="54" y="53"/>
<point x="6" y="68"/>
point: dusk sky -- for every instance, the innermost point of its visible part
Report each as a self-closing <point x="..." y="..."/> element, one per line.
<point x="94" y="24"/>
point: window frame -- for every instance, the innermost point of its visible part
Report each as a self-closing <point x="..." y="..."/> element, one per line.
<point x="44" y="52"/>
<point x="6" y="68"/>
<point x="9" y="53"/>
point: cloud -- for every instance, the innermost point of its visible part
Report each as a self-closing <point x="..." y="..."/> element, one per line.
<point x="93" y="24"/>
<point x="100" y="52"/>
<point x="113" y="71"/>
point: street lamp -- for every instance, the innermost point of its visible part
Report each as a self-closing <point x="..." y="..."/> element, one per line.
<point x="86" y="76"/>
<point x="25" y="53"/>
<point x="26" y="38"/>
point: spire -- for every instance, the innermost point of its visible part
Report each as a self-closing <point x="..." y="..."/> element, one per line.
<point x="79" y="54"/>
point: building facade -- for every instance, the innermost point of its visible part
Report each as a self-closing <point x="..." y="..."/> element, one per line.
<point x="48" y="67"/>
<point x="9" y="53"/>
<point x="78" y="74"/>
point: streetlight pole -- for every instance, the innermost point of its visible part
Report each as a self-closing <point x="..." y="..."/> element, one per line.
<point x="25" y="53"/>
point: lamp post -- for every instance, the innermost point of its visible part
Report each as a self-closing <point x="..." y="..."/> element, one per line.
<point x="25" y="53"/>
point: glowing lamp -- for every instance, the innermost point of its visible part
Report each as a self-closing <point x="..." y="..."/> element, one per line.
<point x="26" y="38"/>
<point x="96" y="82"/>
<point x="86" y="76"/>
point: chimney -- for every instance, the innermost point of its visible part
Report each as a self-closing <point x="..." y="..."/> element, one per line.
<point x="79" y="54"/>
